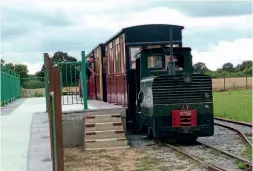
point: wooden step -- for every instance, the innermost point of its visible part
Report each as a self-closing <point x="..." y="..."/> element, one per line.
<point x="105" y="144"/>
<point x="103" y="118"/>
<point x="104" y="134"/>
<point x="103" y="126"/>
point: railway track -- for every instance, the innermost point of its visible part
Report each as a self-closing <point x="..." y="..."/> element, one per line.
<point x="206" y="165"/>
<point x="215" y="165"/>
<point x="241" y="128"/>
<point x="232" y="121"/>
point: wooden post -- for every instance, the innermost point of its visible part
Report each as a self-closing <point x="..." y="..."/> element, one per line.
<point x="224" y="83"/>
<point x="58" y="118"/>
<point x="46" y="79"/>
<point x="49" y="85"/>
<point x="246" y="82"/>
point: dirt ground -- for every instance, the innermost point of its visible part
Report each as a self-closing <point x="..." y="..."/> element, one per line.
<point x="76" y="159"/>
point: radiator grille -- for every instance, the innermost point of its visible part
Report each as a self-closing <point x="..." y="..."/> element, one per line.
<point x="173" y="89"/>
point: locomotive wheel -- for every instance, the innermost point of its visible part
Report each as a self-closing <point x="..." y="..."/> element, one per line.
<point x="136" y="128"/>
<point x="150" y="132"/>
<point x="141" y="128"/>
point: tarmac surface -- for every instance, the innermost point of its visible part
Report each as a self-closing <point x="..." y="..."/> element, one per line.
<point x="25" y="141"/>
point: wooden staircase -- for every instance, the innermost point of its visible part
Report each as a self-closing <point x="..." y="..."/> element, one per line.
<point x="104" y="132"/>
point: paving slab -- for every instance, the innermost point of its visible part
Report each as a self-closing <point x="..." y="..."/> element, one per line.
<point x="15" y="132"/>
<point x="39" y="153"/>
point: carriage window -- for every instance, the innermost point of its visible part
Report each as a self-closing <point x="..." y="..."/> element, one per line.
<point x="133" y="52"/>
<point x="156" y="62"/>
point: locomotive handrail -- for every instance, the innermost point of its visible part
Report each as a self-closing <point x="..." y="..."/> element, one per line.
<point x="153" y="43"/>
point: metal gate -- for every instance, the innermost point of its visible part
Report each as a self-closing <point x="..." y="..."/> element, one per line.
<point x="69" y="81"/>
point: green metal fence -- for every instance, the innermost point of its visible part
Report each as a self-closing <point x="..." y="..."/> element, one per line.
<point x="10" y="86"/>
<point x="69" y="82"/>
<point x="70" y="75"/>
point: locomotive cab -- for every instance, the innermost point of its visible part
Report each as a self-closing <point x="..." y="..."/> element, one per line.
<point x="172" y="105"/>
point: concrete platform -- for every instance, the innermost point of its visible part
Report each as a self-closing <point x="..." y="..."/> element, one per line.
<point x="25" y="133"/>
<point x="73" y="123"/>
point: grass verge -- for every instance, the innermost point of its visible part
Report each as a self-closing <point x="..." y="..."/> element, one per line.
<point x="236" y="105"/>
<point x="76" y="159"/>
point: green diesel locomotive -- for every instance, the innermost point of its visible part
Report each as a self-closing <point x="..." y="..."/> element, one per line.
<point x="172" y="101"/>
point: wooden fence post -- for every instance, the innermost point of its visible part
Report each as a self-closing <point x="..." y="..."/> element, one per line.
<point x="55" y="114"/>
<point x="224" y="83"/>
<point x="246" y="82"/>
<point x="49" y="89"/>
<point x="58" y="118"/>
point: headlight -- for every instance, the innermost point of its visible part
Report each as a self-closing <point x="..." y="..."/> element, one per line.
<point x="187" y="79"/>
<point x="206" y="95"/>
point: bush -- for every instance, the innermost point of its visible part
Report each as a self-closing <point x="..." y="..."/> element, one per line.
<point x="33" y="84"/>
<point x="222" y="74"/>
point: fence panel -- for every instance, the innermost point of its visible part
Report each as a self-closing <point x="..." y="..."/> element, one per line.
<point x="69" y="82"/>
<point x="222" y="84"/>
<point x="10" y="86"/>
<point x="32" y="87"/>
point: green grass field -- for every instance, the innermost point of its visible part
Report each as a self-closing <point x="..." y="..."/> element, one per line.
<point x="236" y="105"/>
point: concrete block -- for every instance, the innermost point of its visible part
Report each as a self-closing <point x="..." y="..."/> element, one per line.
<point x="73" y="124"/>
<point x="104" y="134"/>
<point x="73" y="138"/>
<point x="102" y="118"/>
<point x="105" y="143"/>
<point x="103" y="126"/>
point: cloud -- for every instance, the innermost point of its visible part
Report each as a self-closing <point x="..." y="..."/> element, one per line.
<point x="32" y="27"/>
<point x="163" y="15"/>
<point x="235" y="52"/>
<point x="209" y="8"/>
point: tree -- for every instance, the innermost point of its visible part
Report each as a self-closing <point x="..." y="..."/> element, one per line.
<point x="200" y="67"/>
<point x="2" y="62"/>
<point x="22" y="70"/>
<point x="238" y="68"/>
<point x="18" y="68"/>
<point x="10" y="66"/>
<point x="63" y="57"/>
<point x="246" y="65"/>
<point x="41" y="73"/>
<point x="229" y="67"/>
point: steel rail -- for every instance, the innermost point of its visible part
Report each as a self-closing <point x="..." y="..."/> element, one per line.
<point x="248" y="163"/>
<point x="232" y="121"/>
<point x="208" y="166"/>
<point x="236" y="130"/>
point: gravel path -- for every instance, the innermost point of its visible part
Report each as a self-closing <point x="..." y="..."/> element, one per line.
<point x="211" y="156"/>
<point x="173" y="160"/>
<point x="246" y="130"/>
<point x="226" y="140"/>
<point x="242" y="128"/>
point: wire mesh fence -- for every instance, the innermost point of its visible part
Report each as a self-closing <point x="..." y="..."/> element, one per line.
<point x="237" y="83"/>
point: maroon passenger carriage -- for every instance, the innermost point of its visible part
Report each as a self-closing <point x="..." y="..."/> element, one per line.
<point x="116" y="59"/>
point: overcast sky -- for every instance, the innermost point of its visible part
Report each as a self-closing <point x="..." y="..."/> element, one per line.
<point x="217" y="31"/>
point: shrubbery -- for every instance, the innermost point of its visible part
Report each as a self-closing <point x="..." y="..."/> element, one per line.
<point x="32" y="84"/>
<point x="216" y="74"/>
